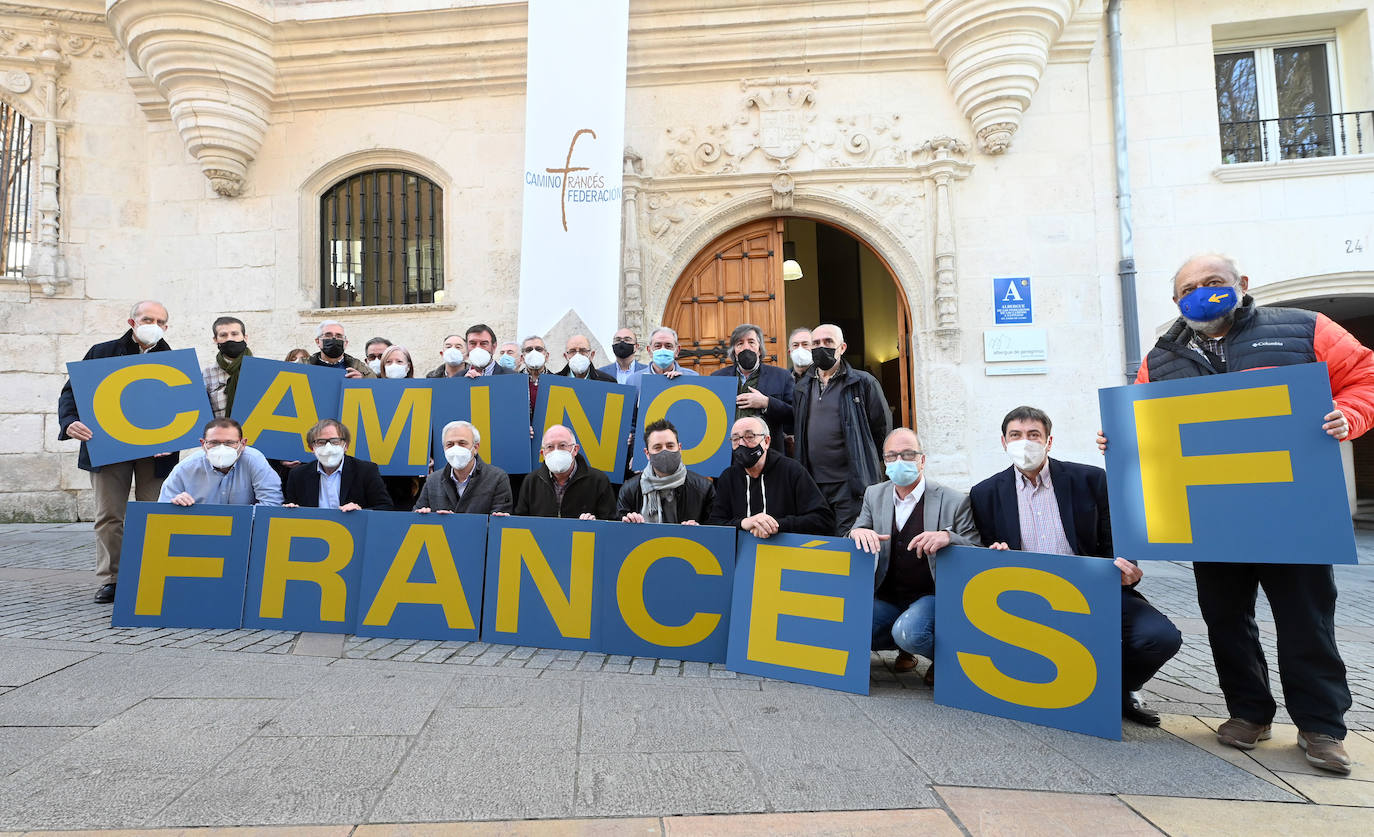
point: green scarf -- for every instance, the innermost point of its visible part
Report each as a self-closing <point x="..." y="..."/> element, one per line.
<point x="232" y="367"/>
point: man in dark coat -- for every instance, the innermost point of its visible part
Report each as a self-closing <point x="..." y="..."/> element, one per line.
<point x="147" y="323"/>
<point x="1060" y="508"/>
<point x="665" y="492"/>
<point x="335" y="480"/>
<point x="761" y="390"/>
<point x="564" y="485"/>
<point x="466" y="484"/>
<point x="764" y="492"/>
<point x="580" y="356"/>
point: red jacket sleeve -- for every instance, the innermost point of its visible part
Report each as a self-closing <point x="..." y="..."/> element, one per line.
<point x="1351" y="367"/>
<point x="1142" y="375"/>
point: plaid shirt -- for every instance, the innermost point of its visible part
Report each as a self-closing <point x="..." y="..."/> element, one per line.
<point x="1042" y="530"/>
<point x="1201" y="343"/>
<point x="215" y="381"/>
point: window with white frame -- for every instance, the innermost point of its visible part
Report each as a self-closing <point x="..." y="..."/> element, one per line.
<point x="16" y="180"/>
<point x="1280" y="100"/>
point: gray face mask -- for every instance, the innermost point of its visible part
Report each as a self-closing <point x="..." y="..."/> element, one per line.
<point x="666" y="461"/>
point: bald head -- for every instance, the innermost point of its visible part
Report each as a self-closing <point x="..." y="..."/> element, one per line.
<point x="557" y="436"/>
<point x="1212" y="270"/>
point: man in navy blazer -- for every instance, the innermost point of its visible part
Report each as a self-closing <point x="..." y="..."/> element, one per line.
<point x="147" y="324"/>
<point x="624" y="346"/>
<point x="334" y="480"/>
<point x="1048" y="506"/>
<point x="763" y="391"/>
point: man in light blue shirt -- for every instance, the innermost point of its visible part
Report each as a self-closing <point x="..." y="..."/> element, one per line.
<point x="224" y="471"/>
<point x="663" y="349"/>
<point x="624" y="347"/>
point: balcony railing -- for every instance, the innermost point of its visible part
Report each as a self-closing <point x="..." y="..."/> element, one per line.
<point x="1297" y="137"/>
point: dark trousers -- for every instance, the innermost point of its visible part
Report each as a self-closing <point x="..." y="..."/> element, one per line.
<point x="843" y="503"/>
<point x="1148" y="640"/>
<point x="1303" y="600"/>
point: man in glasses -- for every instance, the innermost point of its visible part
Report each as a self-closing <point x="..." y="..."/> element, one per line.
<point x="564" y="485"/>
<point x="625" y="348"/>
<point x="225" y="471"/>
<point x="579" y="354"/>
<point x="338" y="481"/>
<point x="764" y="492"/>
<point x="903" y="522"/>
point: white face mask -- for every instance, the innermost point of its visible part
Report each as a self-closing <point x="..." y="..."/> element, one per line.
<point x="396" y="370"/>
<point x="330" y="456"/>
<point x="458" y="456"/>
<point x="221" y="456"/>
<point x="375" y="365"/>
<point x="559" y="461"/>
<point x="535" y="359"/>
<point x="479" y="357"/>
<point x="148" y="334"/>
<point x="1025" y="454"/>
<point x="579" y="364"/>
<point x="453" y="356"/>
<point x="801" y="358"/>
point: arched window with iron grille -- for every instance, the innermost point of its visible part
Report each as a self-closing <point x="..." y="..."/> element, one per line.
<point x="381" y="240"/>
<point x="16" y="178"/>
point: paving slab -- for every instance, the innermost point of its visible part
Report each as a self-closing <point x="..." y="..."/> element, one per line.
<point x="815" y="751"/>
<point x="21" y="745"/>
<point x="234" y="676"/>
<point x="444" y="780"/>
<point x="631" y="784"/>
<point x="653" y="719"/>
<point x="519" y="828"/>
<point x="328" y="779"/>
<point x="1282" y="754"/>
<point x="356" y="702"/>
<point x="898" y="823"/>
<point x="1223" y="818"/>
<point x="19" y="666"/>
<point x="1330" y="789"/>
<point x="243" y="831"/>
<point x="483" y="691"/>
<point x="992" y="812"/>
<point x="93" y="690"/>
<point x="1202" y="733"/>
<point x="957" y="747"/>
<point x="123" y="772"/>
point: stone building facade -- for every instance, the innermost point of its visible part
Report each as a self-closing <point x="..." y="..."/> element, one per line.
<point x="180" y="150"/>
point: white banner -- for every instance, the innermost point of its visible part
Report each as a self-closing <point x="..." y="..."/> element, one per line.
<point x="574" y="147"/>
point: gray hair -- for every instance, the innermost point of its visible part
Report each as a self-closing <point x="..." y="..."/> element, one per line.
<point x="763" y="425"/>
<point x="796" y="331"/>
<point x="534" y="337"/>
<point x="663" y="330"/>
<point x="1226" y="260"/>
<point x="455" y="425"/>
<point x="319" y="330"/>
<point x="920" y="445"/>
<point x="839" y="332"/>
<point x="133" y="312"/>
<point x="743" y="329"/>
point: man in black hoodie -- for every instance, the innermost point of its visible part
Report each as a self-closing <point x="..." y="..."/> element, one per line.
<point x="564" y="485"/>
<point x="764" y="492"/>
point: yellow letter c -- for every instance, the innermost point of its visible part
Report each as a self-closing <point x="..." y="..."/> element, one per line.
<point x="109" y="411"/>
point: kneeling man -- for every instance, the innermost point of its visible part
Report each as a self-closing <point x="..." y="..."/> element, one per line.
<point x="666" y="492"/>
<point x="916" y="518"/>
<point x="225" y="471"/>
<point x="338" y="481"/>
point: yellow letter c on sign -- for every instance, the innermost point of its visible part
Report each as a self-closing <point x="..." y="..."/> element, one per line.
<point x="109" y="412"/>
<point x="1076" y="674"/>
<point x="629" y="592"/>
<point x="717" y="422"/>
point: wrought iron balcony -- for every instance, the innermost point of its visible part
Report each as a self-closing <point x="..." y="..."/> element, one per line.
<point x="1297" y="137"/>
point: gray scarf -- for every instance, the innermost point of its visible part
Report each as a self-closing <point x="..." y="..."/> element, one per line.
<point x="655" y="489"/>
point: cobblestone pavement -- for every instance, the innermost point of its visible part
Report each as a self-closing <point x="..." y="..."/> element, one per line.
<point x="46" y="584"/>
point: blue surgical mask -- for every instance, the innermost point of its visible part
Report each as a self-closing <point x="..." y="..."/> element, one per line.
<point x="903" y="473"/>
<point x="663" y="358"/>
<point x="505" y="361"/>
<point x="1204" y="304"/>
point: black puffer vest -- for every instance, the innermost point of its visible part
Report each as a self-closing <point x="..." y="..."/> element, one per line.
<point x="1259" y="337"/>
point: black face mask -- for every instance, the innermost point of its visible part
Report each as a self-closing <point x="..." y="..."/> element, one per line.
<point x="824" y="357"/>
<point x="332" y="347"/>
<point x="747" y="360"/>
<point x="233" y="348"/>
<point x="747" y="457"/>
<point x="622" y="350"/>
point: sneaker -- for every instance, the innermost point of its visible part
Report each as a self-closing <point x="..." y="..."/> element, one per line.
<point x="1325" y="751"/>
<point x="905" y="662"/>
<point x="1243" y="734"/>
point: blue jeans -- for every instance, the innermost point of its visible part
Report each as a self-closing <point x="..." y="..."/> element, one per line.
<point x="911" y="629"/>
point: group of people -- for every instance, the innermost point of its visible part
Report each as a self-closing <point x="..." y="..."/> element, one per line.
<point x="813" y="452"/>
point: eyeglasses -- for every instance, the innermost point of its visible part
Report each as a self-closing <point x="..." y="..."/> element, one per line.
<point x="580" y="352"/>
<point x="320" y="444"/>
<point x="529" y="349"/>
<point x="233" y="444"/>
<point x="568" y="446"/>
<point x="906" y="455"/>
<point x="747" y="438"/>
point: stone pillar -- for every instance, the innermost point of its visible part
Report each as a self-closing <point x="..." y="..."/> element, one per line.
<point x="47" y="267"/>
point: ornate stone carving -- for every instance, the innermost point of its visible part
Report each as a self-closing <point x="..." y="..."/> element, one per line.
<point x="213" y="62"/>
<point x="47" y="267"/>
<point x="945" y="160"/>
<point x="631" y="286"/>
<point x="995" y="52"/>
<point x="783" y="113"/>
<point x="783" y="188"/>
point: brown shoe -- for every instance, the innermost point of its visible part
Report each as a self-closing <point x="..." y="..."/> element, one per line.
<point x="905" y="662"/>
<point x="1325" y="751"/>
<point x="1243" y="734"/>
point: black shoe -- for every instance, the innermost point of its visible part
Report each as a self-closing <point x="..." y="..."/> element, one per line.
<point x="105" y="595"/>
<point x="1134" y="709"/>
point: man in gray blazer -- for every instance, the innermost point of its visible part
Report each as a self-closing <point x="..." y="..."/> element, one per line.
<point x="904" y="521"/>
<point x="466" y="485"/>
